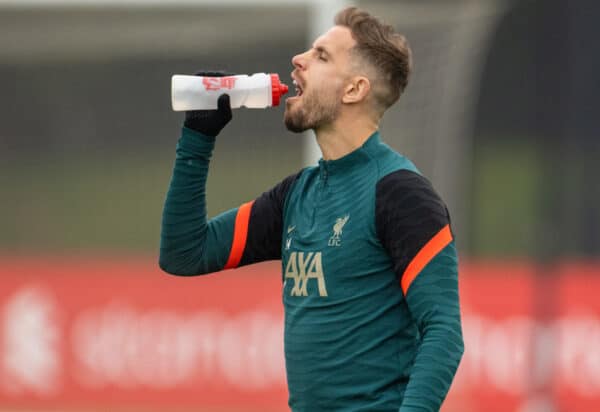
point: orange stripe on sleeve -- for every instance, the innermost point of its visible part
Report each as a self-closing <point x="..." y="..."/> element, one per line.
<point x="240" y="235"/>
<point x="427" y="252"/>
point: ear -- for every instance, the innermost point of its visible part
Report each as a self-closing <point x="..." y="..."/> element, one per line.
<point x="357" y="90"/>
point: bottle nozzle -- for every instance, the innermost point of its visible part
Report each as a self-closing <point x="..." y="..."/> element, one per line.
<point x="277" y="89"/>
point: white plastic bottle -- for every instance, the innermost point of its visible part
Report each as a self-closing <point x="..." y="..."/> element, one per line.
<point x="259" y="90"/>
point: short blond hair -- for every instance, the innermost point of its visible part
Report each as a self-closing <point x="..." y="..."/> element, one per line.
<point x="386" y="51"/>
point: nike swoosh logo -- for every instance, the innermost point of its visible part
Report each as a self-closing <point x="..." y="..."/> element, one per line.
<point x="291" y="229"/>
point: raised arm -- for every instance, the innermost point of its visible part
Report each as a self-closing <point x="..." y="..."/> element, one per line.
<point x="414" y="226"/>
<point x="190" y="243"/>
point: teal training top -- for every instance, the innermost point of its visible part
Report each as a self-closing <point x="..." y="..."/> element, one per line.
<point x="369" y="272"/>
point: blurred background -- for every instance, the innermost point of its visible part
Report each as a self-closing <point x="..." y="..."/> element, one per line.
<point x="501" y="114"/>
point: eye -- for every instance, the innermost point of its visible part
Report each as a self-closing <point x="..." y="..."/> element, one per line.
<point x="322" y="57"/>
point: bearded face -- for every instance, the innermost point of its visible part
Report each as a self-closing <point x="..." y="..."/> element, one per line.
<point x="311" y="108"/>
<point x="319" y="75"/>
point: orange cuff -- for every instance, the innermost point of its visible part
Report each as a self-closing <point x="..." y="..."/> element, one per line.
<point x="240" y="235"/>
<point x="427" y="252"/>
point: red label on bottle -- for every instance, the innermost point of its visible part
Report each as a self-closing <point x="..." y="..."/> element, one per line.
<point x="218" y="83"/>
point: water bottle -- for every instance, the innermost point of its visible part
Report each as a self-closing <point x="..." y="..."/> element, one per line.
<point x="258" y="91"/>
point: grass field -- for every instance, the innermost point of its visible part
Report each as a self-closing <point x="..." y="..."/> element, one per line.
<point x="113" y="202"/>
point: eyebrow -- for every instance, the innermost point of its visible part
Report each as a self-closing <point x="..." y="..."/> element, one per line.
<point x="322" y="49"/>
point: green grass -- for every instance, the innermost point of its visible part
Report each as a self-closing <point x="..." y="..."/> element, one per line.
<point x="107" y="202"/>
<point x="507" y="191"/>
<point x="114" y="203"/>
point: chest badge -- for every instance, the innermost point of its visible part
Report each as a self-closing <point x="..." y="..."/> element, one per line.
<point x="336" y="238"/>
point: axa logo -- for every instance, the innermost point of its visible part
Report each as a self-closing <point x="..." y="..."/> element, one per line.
<point x="336" y="238"/>
<point x="302" y="267"/>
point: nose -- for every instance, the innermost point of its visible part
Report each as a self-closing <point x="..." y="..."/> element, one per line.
<point x="299" y="61"/>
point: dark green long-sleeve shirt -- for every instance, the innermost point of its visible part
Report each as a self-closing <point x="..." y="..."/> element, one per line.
<point x="369" y="271"/>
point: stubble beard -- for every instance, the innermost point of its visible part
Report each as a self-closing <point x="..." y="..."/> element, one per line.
<point x="310" y="113"/>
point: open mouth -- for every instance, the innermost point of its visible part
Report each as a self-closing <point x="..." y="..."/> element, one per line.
<point x="298" y="89"/>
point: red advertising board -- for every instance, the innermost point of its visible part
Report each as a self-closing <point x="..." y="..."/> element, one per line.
<point x="119" y="333"/>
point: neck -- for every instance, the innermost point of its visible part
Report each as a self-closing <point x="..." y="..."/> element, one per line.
<point x="344" y="135"/>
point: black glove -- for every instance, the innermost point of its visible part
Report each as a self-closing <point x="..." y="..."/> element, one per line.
<point x="210" y="122"/>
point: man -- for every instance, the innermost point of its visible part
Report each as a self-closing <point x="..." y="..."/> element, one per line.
<point x="370" y="288"/>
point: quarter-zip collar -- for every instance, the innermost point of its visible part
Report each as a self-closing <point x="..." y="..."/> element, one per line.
<point x="329" y="168"/>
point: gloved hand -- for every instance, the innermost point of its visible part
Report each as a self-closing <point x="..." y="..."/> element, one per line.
<point x="210" y="122"/>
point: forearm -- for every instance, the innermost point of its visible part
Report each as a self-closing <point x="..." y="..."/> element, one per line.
<point x="433" y="371"/>
<point x="434" y="302"/>
<point x="189" y="244"/>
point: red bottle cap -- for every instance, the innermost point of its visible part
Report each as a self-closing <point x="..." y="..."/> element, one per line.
<point x="277" y="89"/>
